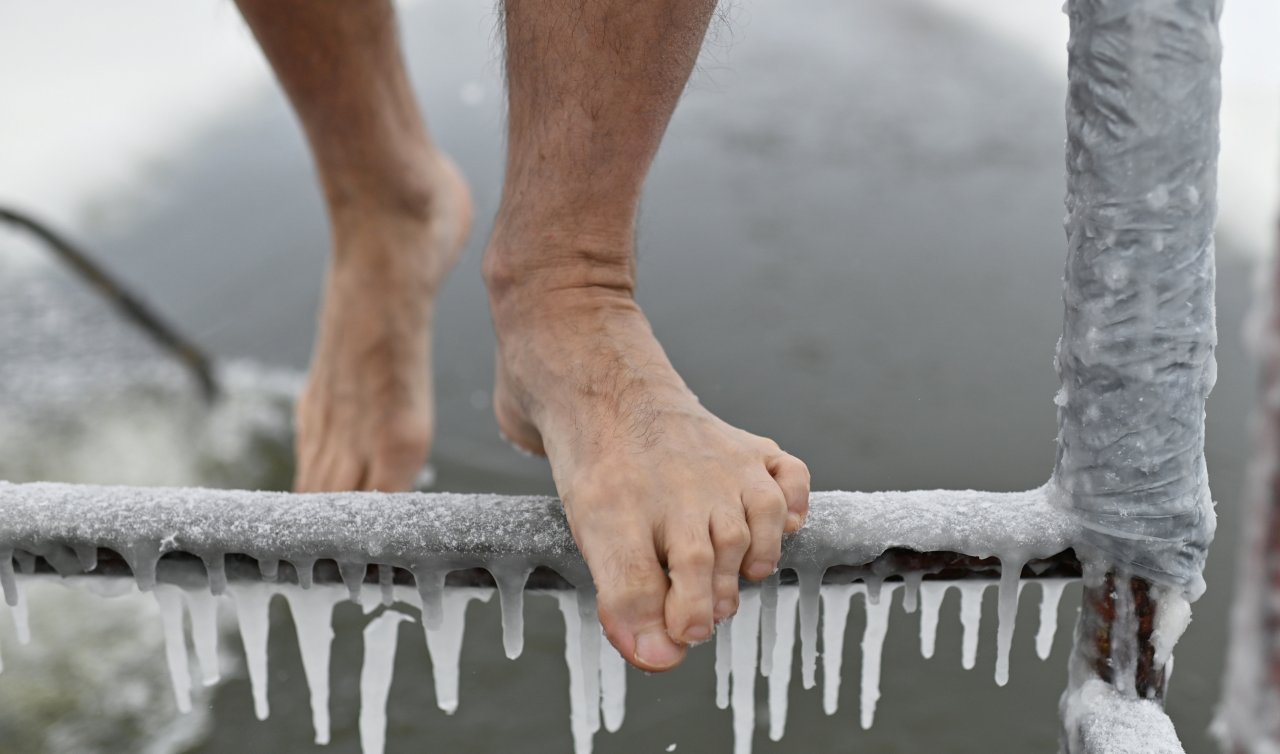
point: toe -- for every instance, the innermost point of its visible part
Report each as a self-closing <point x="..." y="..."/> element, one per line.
<point x="731" y="537"/>
<point x="690" y="564"/>
<point x="632" y="591"/>
<point x="792" y="476"/>
<point x="766" y="511"/>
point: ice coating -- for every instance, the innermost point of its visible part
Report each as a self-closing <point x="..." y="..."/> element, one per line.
<point x="768" y="622"/>
<point x="872" y="651"/>
<point x="835" y="616"/>
<point x="931" y="595"/>
<point x="746" y="635"/>
<point x="971" y="621"/>
<point x="724" y="662"/>
<point x="444" y="641"/>
<point x="202" y="608"/>
<point x="464" y="533"/>
<point x="1097" y="718"/>
<point x="313" y="618"/>
<point x="175" y="644"/>
<point x="783" y="653"/>
<point x="375" y="679"/>
<point x="1010" y="588"/>
<point x="511" y="580"/>
<point x="1136" y="356"/>
<point x="433" y="534"/>
<point x="252" y="602"/>
<point x="1050" y="595"/>
<point x="579" y="699"/>
<point x="613" y="687"/>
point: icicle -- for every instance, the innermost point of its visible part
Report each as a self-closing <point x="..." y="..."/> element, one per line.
<point x="1007" y="616"/>
<point x="21" y="621"/>
<point x="911" y="594"/>
<point x="724" y="661"/>
<point x="26" y="562"/>
<point x="175" y="644"/>
<point x="746" y="639"/>
<point x="613" y="687"/>
<point x="1050" y="595"/>
<point x="971" y="619"/>
<point x="810" y="586"/>
<point x="7" y="579"/>
<point x="142" y="561"/>
<point x="511" y="581"/>
<point x="590" y="634"/>
<point x="873" y="585"/>
<point x="444" y="641"/>
<point x="253" y="615"/>
<point x="270" y="569"/>
<point x="783" y="652"/>
<point x="203" y="609"/>
<point x="216" y="568"/>
<point x="872" y="651"/>
<point x="582" y="733"/>
<point x="88" y="557"/>
<point x="375" y="679"/>
<point x="313" y="619"/>
<point x="768" y="622"/>
<point x="835" y="615"/>
<point x="430" y="595"/>
<point x="387" y="583"/>
<point x="931" y="594"/>
<point x="352" y="578"/>
<point x="305" y="569"/>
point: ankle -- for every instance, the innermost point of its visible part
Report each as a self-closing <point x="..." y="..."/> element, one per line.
<point x="424" y="214"/>
<point x="548" y="262"/>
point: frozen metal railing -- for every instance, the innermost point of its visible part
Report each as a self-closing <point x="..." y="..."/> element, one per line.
<point x="188" y="536"/>
<point x="1136" y="355"/>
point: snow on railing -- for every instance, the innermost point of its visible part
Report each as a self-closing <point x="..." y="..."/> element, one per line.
<point x="187" y="545"/>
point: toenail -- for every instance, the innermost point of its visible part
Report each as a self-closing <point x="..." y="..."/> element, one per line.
<point x="759" y="569"/>
<point x="656" y="650"/>
<point x="794" y="521"/>
<point x="724" y="608"/>
<point x="696" y="634"/>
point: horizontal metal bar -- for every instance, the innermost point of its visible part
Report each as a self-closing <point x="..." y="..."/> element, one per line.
<point x="170" y="533"/>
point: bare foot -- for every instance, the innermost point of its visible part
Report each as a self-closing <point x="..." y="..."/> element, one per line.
<point x="365" y="417"/>
<point x="649" y="478"/>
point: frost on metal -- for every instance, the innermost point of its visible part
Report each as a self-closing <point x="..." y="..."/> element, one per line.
<point x="853" y="542"/>
<point x="1136" y="356"/>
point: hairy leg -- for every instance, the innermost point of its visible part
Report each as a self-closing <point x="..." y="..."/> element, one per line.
<point x="649" y="478"/>
<point x="399" y="212"/>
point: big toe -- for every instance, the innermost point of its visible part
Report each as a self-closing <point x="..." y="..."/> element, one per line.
<point x="632" y="591"/>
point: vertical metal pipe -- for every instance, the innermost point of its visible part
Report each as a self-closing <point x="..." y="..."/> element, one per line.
<point x="1136" y="354"/>
<point x="1248" y="720"/>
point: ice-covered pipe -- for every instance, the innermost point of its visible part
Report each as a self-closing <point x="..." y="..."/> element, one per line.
<point x="1136" y="354"/>
<point x="239" y="534"/>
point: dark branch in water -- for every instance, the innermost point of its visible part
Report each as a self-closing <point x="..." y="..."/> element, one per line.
<point x="125" y="302"/>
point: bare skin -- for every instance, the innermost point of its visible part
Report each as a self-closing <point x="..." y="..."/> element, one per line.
<point x="649" y="478"/>
<point x="399" y="212"/>
<point x="669" y="504"/>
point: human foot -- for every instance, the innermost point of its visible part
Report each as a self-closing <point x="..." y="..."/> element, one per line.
<point x="365" y="417"/>
<point x="649" y="478"/>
